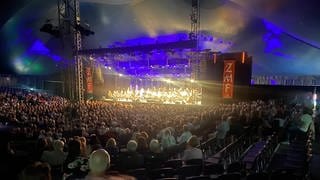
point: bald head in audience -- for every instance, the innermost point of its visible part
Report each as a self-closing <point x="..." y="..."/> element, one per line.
<point x="99" y="162"/>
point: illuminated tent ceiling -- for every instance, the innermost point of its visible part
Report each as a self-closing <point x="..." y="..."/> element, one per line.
<point x="281" y="35"/>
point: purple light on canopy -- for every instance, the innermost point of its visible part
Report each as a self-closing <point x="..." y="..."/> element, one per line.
<point x="149" y="40"/>
<point x="172" y="37"/>
<point x="139" y="41"/>
<point x="271" y="27"/>
<point x="206" y="41"/>
<point x="39" y="48"/>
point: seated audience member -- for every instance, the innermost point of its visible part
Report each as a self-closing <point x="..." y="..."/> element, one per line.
<point x="185" y="135"/>
<point x="112" y="148"/>
<point x="130" y="159"/>
<point x="37" y="171"/>
<point x="83" y="146"/>
<point x="55" y="157"/>
<point x="135" y="136"/>
<point x="145" y="135"/>
<point x="99" y="162"/>
<point x="142" y="145"/>
<point x="167" y="140"/>
<point x="192" y="152"/>
<point x="76" y="165"/>
<point x="94" y="143"/>
<point x="42" y="145"/>
<point x="155" y="146"/>
<point x="125" y="137"/>
<point x="102" y="129"/>
<point x="155" y="157"/>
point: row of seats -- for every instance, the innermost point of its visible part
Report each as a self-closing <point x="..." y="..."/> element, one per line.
<point x="293" y="159"/>
<point x="234" y="151"/>
<point x="257" y="157"/>
<point x="209" y="171"/>
<point x="228" y="163"/>
<point x="199" y="169"/>
<point x="171" y="168"/>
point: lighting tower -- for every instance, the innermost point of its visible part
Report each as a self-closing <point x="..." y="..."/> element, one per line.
<point x="194" y="35"/>
<point x="69" y="20"/>
<point x="195" y="20"/>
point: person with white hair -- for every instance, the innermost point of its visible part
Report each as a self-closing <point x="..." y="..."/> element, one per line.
<point x="99" y="163"/>
<point x="132" y="146"/>
<point x="155" y="146"/>
<point x="155" y="158"/>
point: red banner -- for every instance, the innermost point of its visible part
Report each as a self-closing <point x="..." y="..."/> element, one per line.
<point x="89" y="80"/>
<point x="228" y="79"/>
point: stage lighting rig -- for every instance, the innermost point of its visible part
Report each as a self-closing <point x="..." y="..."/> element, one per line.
<point x="84" y="31"/>
<point x="51" y="29"/>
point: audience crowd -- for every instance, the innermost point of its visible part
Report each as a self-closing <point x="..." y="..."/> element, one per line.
<point x="86" y="140"/>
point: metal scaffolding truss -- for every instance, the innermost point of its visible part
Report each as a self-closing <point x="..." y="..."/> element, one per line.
<point x="195" y="19"/>
<point x="194" y="35"/>
<point x="69" y="19"/>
